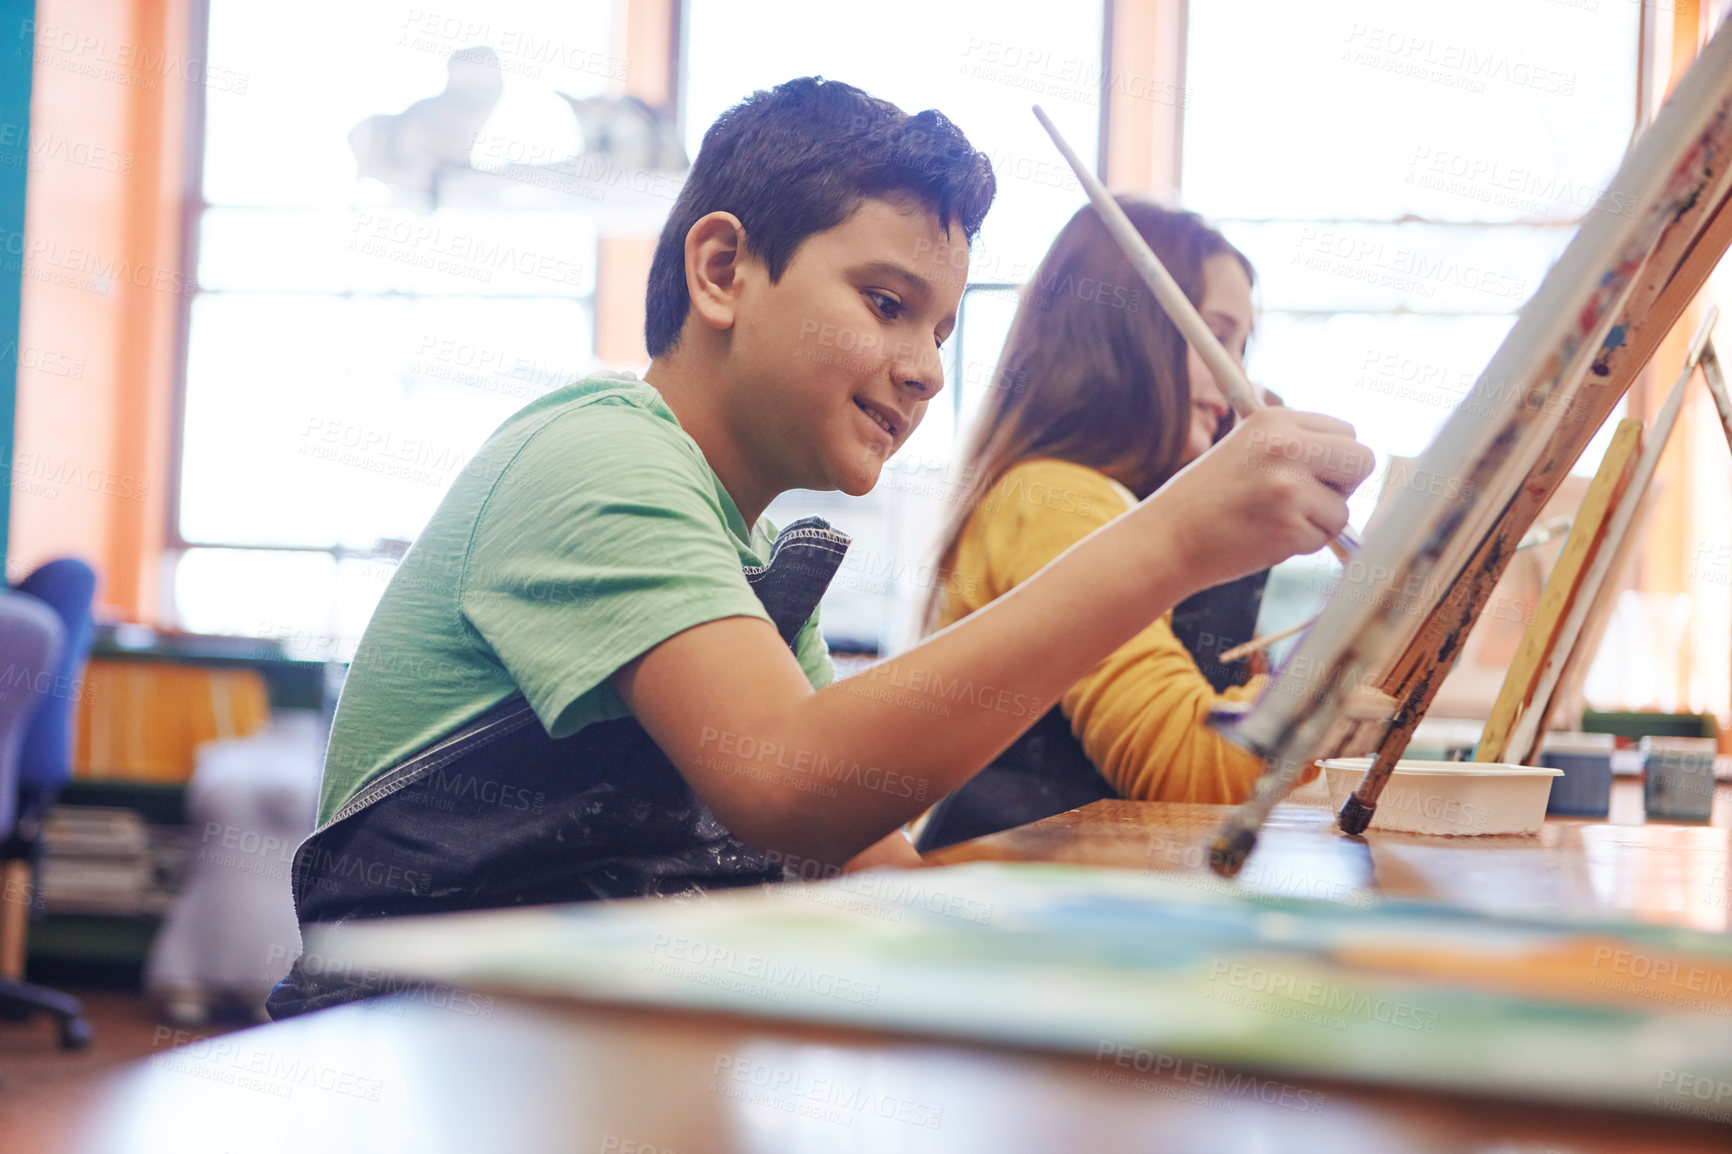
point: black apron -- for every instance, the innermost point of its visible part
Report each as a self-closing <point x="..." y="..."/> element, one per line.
<point x="499" y="814"/>
<point x="1046" y="771"/>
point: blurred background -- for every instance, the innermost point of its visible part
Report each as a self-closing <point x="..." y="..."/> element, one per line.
<point x="282" y="274"/>
<point x="270" y="275"/>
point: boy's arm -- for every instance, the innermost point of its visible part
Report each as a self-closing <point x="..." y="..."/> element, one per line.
<point x="825" y="774"/>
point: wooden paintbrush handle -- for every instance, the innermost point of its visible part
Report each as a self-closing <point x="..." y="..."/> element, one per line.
<point x="1241" y="393"/>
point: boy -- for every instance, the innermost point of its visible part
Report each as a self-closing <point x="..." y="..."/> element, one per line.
<point x="598" y="675"/>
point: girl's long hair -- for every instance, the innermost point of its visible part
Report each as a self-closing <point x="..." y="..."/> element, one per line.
<point x="1092" y="370"/>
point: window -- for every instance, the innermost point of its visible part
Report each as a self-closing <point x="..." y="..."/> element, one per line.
<point x="1401" y="176"/>
<point x="368" y="311"/>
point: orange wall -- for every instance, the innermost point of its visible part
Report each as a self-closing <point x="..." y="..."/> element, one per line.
<point x="1145" y="135"/>
<point x="642" y="29"/>
<point x="99" y="319"/>
<point x="1669" y="544"/>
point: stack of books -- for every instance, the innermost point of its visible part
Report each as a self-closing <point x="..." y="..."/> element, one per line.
<point x="98" y="860"/>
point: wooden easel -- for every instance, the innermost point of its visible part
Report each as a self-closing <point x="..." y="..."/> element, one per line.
<point x="1541" y="639"/>
<point x="1430" y="561"/>
<point x="1676" y="272"/>
<point x="1578" y="597"/>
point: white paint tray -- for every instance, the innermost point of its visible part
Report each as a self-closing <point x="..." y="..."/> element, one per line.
<point x="1452" y="798"/>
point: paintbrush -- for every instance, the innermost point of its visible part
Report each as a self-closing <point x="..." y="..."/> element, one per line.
<point x="1241" y="393"/>
<point x="1265" y="641"/>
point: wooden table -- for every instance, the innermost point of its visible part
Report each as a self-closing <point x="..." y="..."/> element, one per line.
<point x="527" y="1076"/>
<point x="533" y="1077"/>
<point x="1667" y="873"/>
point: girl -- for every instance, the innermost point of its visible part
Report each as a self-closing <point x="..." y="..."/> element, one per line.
<point x="1098" y="401"/>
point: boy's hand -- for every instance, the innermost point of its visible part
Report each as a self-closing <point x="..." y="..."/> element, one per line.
<point x="1273" y="488"/>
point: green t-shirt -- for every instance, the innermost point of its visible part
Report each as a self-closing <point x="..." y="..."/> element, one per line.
<point x="584" y="532"/>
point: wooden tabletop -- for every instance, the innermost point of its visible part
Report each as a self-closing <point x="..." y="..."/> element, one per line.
<point x="1622" y="866"/>
<point x="520" y="1076"/>
<point x="532" y="1077"/>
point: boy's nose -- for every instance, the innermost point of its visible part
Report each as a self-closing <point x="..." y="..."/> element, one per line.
<point x="923" y="374"/>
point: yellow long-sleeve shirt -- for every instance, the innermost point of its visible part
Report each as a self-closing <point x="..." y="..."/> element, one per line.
<point x="1140" y="714"/>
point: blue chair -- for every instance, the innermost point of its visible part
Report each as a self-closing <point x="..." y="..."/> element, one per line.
<point x="68" y="586"/>
<point x="45" y="635"/>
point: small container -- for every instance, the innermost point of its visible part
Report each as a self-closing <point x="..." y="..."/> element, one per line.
<point x="1678" y="777"/>
<point x="1585" y="789"/>
<point x="1453" y="798"/>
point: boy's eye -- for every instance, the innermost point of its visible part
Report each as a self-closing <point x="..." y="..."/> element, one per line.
<point x="886" y="304"/>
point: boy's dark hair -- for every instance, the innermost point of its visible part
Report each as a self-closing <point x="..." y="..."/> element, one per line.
<point x="797" y="160"/>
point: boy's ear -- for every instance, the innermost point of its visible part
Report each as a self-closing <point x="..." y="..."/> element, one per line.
<point x="715" y="246"/>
